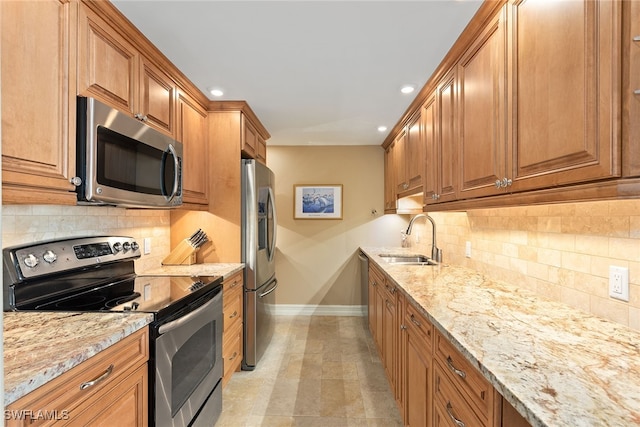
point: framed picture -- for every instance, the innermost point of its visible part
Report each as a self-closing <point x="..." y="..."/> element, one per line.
<point x="317" y="201"/>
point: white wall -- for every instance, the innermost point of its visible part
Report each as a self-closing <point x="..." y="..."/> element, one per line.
<point x="316" y="260"/>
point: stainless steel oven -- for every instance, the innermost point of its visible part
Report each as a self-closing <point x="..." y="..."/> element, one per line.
<point x="188" y="365"/>
<point x="97" y="274"/>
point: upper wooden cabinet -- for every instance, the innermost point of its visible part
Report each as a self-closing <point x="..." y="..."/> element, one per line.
<point x="631" y="89"/>
<point x="112" y="69"/>
<point x="192" y="131"/>
<point x="38" y="101"/>
<point x="236" y="124"/>
<point x="389" y="181"/>
<point x="408" y="158"/>
<point x="440" y="130"/>
<point x="566" y="67"/>
<point x="528" y="107"/>
<point x="482" y="83"/>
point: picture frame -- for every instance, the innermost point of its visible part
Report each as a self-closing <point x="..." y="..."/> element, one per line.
<point x="317" y="201"/>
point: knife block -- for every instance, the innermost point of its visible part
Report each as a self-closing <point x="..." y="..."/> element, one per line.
<point x="183" y="254"/>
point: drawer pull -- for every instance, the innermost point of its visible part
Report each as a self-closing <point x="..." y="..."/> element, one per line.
<point x="235" y="283"/>
<point x="374" y="283"/>
<point x="95" y="381"/>
<point x="234" y="314"/>
<point x="233" y="356"/>
<point x="414" y="321"/>
<point x="455" y="370"/>
<point x="456" y="421"/>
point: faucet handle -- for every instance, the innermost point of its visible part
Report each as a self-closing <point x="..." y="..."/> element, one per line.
<point x="436" y="254"/>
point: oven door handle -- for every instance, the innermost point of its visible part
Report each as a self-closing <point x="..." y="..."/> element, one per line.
<point x="167" y="327"/>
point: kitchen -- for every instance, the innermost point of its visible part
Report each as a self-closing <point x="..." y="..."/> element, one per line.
<point x="552" y="249"/>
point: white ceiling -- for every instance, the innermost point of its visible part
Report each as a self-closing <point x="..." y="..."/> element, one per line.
<point x="314" y="72"/>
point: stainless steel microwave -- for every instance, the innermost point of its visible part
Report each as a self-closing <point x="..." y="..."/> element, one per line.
<point x="122" y="161"/>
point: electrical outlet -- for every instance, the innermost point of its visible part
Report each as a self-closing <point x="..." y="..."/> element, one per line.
<point x="147" y="245"/>
<point x="467" y="249"/>
<point x="619" y="283"/>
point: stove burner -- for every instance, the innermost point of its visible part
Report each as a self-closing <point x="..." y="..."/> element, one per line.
<point x="122" y="299"/>
<point x="77" y="303"/>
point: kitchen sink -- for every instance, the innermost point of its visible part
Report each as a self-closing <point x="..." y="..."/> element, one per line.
<point x="408" y="259"/>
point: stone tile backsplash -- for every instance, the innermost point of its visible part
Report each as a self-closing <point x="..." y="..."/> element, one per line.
<point x="31" y="223"/>
<point x="561" y="251"/>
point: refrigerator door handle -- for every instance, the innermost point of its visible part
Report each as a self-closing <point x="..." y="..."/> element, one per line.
<point x="275" y="224"/>
<point x="275" y="285"/>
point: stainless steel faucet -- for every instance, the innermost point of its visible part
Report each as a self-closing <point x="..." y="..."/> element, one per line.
<point x="436" y="254"/>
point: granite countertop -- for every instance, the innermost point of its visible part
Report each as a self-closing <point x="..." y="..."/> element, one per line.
<point x="40" y="346"/>
<point x="225" y="270"/>
<point x="558" y="366"/>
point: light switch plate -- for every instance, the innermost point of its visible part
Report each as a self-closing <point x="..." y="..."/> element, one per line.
<point x="467" y="249"/>
<point x="147" y="245"/>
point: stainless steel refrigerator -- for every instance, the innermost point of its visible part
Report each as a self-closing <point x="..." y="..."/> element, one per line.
<point x="258" y="254"/>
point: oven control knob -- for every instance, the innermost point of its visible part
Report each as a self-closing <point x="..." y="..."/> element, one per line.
<point x="134" y="246"/>
<point x="117" y="247"/>
<point x="126" y="246"/>
<point x="30" y="261"/>
<point x="50" y="257"/>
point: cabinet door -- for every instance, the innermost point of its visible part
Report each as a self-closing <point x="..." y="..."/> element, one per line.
<point x="38" y="101"/>
<point x="566" y="79"/>
<point x="414" y="154"/>
<point x="482" y="78"/>
<point x="399" y="163"/>
<point x="123" y="405"/>
<point x="432" y="153"/>
<point x="156" y="106"/>
<point x="192" y="132"/>
<point x="631" y="94"/>
<point x="389" y="181"/>
<point x="249" y="138"/>
<point x="447" y="138"/>
<point x="107" y="63"/>
<point x="390" y="341"/>
<point x="417" y="376"/>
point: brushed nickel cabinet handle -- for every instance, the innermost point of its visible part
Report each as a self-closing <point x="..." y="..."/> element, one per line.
<point x="414" y="321"/>
<point x="233" y="356"/>
<point x="456" y="421"/>
<point x="636" y="39"/>
<point x="97" y="380"/>
<point x="458" y="372"/>
<point x="234" y="314"/>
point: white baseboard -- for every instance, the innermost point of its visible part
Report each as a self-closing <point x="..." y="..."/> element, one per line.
<point x="320" y="310"/>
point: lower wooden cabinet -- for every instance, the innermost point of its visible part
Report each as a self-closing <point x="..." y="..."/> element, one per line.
<point x="232" y="300"/>
<point x="432" y="382"/>
<point x="108" y="389"/>
<point x="416" y="368"/>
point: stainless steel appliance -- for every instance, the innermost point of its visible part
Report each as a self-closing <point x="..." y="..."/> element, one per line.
<point x="97" y="274"/>
<point x="258" y="253"/>
<point x="122" y="161"/>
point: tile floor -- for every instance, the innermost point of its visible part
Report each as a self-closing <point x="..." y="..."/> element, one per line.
<point x="319" y="371"/>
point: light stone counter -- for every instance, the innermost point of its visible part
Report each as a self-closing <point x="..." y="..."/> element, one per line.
<point x="225" y="270"/>
<point x="39" y="347"/>
<point x="558" y="366"/>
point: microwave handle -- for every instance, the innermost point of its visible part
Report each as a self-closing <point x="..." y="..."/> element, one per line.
<point x="176" y="165"/>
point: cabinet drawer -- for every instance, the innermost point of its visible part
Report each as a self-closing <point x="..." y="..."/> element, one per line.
<point x="65" y="397"/>
<point x="451" y="409"/>
<point x="466" y="378"/>
<point x="232" y="283"/>
<point x="417" y="322"/>
<point x="232" y="309"/>
<point x="231" y="352"/>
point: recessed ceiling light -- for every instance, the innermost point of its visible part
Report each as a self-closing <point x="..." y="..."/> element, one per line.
<point x="382" y="128"/>
<point x="216" y="91"/>
<point x="407" y="88"/>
